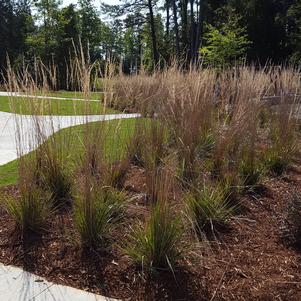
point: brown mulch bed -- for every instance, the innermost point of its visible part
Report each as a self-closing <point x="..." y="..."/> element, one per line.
<point x="250" y="261"/>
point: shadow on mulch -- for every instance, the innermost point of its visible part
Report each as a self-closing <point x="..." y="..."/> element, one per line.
<point x="289" y="180"/>
<point x="290" y="243"/>
<point x="179" y="285"/>
<point x="260" y="191"/>
<point x="25" y="249"/>
<point x="214" y="232"/>
<point x="95" y="263"/>
<point x="241" y="207"/>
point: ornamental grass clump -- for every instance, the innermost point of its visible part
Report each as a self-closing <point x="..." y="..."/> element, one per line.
<point x="161" y="180"/>
<point x="52" y="170"/>
<point x="148" y="144"/>
<point x="250" y="172"/>
<point x="187" y="111"/>
<point x="155" y="135"/>
<point x="32" y="208"/>
<point x="139" y="92"/>
<point x="113" y="174"/>
<point x="154" y="153"/>
<point x="282" y="144"/>
<point x="156" y="245"/>
<point x="49" y="164"/>
<point x="277" y="159"/>
<point x="136" y="143"/>
<point x="209" y="208"/>
<point x="98" y="205"/>
<point x="96" y="212"/>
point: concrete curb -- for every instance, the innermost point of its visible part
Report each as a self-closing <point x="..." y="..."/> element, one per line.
<point x="19" y="285"/>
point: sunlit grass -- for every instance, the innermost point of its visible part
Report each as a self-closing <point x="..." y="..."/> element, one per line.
<point x="117" y="134"/>
<point x="72" y="94"/>
<point x="39" y="106"/>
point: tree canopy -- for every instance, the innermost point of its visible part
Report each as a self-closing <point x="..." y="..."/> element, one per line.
<point x="151" y="32"/>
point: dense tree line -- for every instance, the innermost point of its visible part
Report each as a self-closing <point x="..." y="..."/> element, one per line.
<point x="151" y="32"/>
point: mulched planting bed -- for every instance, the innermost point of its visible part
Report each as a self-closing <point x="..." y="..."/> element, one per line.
<point x="249" y="261"/>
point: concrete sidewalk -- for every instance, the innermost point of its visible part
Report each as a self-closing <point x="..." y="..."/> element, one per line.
<point x="10" y="122"/>
<point x="18" y="285"/>
<point x="16" y="94"/>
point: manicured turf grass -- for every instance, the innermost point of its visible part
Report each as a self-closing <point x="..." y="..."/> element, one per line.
<point x="9" y="173"/>
<point x="117" y="134"/>
<point x="73" y="94"/>
<point x="51" y="107"/>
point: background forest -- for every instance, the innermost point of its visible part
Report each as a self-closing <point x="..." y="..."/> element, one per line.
<point x="151" y="32"/>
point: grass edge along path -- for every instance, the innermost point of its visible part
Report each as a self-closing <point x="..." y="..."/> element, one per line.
<point x="118" y="133"/>
<point x="38" y="106"/>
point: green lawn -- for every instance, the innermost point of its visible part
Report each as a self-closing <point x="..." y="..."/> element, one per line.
<point x="51" y="107"/>
<point x="73" y="94"/>
<point x="117" y="133"/>
<point x="9" y="173"/>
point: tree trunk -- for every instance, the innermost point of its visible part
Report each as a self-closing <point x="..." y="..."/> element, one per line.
<point x="184" y="5"/>
<point x="175" y="19"/>
<point x="153" y="32"/>
<point x="140" y="54"/>
<point x="167" y="18"/>
<point x="199" y="30"/>
<point x="192" y="32"/>
<point x="46" y="14"/>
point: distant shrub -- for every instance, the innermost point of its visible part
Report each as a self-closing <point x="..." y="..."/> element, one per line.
<point x="225" y="45"/>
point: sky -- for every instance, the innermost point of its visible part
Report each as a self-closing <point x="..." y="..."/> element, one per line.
<point x="96" y="2"/>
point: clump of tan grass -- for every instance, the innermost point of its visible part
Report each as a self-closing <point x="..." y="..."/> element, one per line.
<point x="96" y="212"/>
<point x="32" y="208"/>
<point x="222" y="128"/>
<point x="156" y="245"/>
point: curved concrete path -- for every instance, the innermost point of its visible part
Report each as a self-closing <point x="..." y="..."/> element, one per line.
<point x="16" y="94"/>
<point x="9" y="123"/>
<point x="18" y="285"/>
<point x="15" y="283"/>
